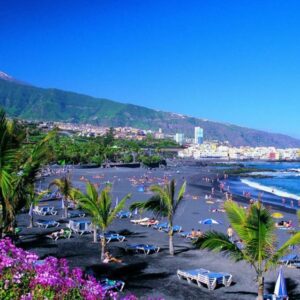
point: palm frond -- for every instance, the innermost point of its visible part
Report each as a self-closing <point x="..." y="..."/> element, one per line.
<point x="180" y="196"/>
<point x="219" y="242"/>
<point x="284" y="249"/>
<point x="117" y="209"/>
<point x="163" y="193"/>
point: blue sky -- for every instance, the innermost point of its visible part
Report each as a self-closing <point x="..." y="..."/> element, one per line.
<point x="231" y="61"/>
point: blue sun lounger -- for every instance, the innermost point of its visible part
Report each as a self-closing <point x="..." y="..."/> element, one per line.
<point x="46" y="223"/>
<point x="76" y="214"/>
<point x="112" y="285"/>
<point x="291" y="260"/>
<point x="112" y="237"/>
<point x="205" y="277"/>
<point x="187" y="235"/>
<point x="124" y="214"/>
<point x="146" y="249"/>
<point x="176" y="228"/>
<point x="161" y="226"/>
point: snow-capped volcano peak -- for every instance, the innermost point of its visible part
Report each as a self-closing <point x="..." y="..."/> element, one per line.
<point x="5" y="76"/>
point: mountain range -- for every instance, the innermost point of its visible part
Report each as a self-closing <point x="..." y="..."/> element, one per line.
<point x="28" y="102"/>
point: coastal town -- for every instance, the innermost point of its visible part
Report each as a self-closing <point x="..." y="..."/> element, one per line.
<point x="195" y="147"/>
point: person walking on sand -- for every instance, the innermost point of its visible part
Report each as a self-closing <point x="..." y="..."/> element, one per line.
<point x="230" y="233"/>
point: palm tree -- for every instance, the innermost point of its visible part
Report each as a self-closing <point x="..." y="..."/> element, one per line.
<point x="18" y="169"/>
<point x="164" y="204"/>
<point x="256" y="229"/>
<point x="100" y="207"/>
<point x="9" y="143"/>
<point x="32" y="200"/>
<point x="65" y="187"/>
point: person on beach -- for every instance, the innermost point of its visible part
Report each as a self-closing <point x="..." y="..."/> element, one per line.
<point x="193" y="233"/>
<point x="230" y="232"/>
<point x="109" y="258"/>
<point x="199" y="233"/>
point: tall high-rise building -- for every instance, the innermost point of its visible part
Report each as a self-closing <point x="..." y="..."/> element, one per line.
<point x="198" y="138"/>
<point x="179" y="138"/>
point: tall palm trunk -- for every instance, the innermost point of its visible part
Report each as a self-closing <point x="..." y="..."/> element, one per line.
<point x="65" y="199"/>
<point x="8" y="215"/>
<point x="95" y="234"/>
<point x="171" y="245"/>
<point x="103" y="244"/>
<point x="66" y="210"/>
<point x="260" y="295"/>
<point x="31" y="221"/>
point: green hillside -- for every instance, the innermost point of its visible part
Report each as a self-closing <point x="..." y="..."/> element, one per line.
<point x="32" y="103"/>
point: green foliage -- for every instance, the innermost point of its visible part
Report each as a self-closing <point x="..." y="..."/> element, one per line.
<point x="18" y="167"/>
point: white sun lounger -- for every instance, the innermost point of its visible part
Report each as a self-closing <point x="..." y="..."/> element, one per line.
<point x="138" y="221"/>
<point x="80" y="227"/>
<point x="47" y="223"/>
<point x="149" y="223"/>
<point x="205" y="277"/>
<point x="44" y="210"/>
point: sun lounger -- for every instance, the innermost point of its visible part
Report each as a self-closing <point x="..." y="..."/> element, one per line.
<point x="188" y="235"/>
<point x="273" y="297"/>
<point x="205" y="277"/>
<point x="80" y="226"/>
<point x="112" y="285"/>
<point x="46" y="223"/>
<point x="44" y="210"/>
<point x="291" y="260"/>
<point x="124" y="215"/>
<point x="185" y="234"/>
<point x="138" y="221"/>
<point x="146" y="249"/>
<point x="285" y="228"/>
<point x="161" y="226"/>
<point x="112" y="237"/>
<point x="66" y="234"/>
<point x="149" y="223"/>
<point x="76" y="214"/>
<point x="176" y="228"/>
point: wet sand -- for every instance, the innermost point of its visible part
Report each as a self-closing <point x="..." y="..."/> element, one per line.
<point x="155" y="275"/>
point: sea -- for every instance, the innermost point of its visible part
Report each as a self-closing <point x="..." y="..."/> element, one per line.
<point x="281" y="185"/>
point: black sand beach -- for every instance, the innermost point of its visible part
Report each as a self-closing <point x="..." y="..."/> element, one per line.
<point x="155" y="275"/>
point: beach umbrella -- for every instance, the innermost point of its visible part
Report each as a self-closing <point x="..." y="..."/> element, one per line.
<point x="136" y="211"/>
<point x="209" y="222"/>
<point x="280" y="287"/>
<point x="277" y="215"/>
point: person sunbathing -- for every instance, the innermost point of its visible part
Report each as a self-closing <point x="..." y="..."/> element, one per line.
<point x="56" y="234"/>
<point x="109" y="258"/>
<point x="286" y="224"/>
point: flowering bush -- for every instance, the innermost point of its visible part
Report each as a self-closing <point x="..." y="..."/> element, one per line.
<point x="23" y="276"/>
